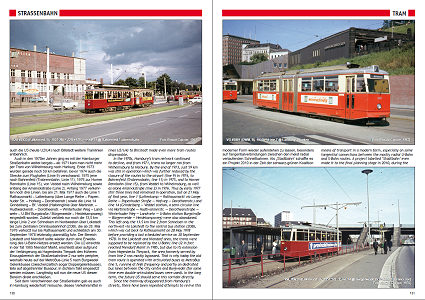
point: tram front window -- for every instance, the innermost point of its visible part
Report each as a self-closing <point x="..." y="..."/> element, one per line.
<point x="378" y="85"/>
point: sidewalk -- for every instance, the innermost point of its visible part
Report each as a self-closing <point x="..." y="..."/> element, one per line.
<point x="252" y="270"/>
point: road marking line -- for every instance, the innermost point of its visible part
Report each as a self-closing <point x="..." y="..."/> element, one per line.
<point x="299" y="140"/>
<point x="194" y="141"/>
<point x="325" y="139"/>
<point x="387" y="279"/>
<point x="241" y="143"/>
<point x="96" y="137"/>
<point x="157" y="122"/>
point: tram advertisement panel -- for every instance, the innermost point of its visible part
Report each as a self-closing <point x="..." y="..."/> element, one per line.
<point x="322" y="245"/>
<point x="325" y="100"/>
<point x="271" y="97"/>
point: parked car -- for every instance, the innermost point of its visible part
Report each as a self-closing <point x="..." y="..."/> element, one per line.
<point x="66" y="103"/>
<point x="195" y="100"/>
<point x="39" y="99"/>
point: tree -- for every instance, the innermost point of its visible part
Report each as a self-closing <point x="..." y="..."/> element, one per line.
<point x="120" y="82"/>
<point x="131" y="82"/>
<point x="257" y="58"/>
<point x="160" y="83"/>
<point x="141" y="82"/>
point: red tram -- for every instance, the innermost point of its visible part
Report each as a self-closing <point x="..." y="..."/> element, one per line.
<point x="187" y="95"/>
<point x="142" y="97"/>
<point x="344" y="92"/>
<point x="230" y="90"/>
<point x="113" y="99"/>
<point x="308" y="239"/>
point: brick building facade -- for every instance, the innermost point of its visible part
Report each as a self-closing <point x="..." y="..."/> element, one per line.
<point x="65" y="77"/>
<point x="232" y="48"/>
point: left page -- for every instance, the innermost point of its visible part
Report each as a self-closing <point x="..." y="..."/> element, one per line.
<point x="107" y="152"/>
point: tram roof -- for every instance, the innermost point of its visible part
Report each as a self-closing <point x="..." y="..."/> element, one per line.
<point x="329" y="70"/>
<point x="312" y="227"/>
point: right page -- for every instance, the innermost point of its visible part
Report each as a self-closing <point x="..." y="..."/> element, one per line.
<point x="319" y="155"/>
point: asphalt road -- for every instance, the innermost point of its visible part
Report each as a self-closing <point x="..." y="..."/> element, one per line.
<point x="357" y="270"/>
<point x="175" y="127"/>
<point x="245" y="124"/>
<point x="405" y="267"/>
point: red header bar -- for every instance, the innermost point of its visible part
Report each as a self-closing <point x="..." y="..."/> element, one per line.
<point x="130" y="13"/>
<point x="307" y="13"/>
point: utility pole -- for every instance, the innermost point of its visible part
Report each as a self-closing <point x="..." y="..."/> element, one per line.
<point x="367" y="172"/>
<point x="337" y="206"/>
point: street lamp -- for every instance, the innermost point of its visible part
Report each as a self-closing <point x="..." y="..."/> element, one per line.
<point x="367" y="172"/>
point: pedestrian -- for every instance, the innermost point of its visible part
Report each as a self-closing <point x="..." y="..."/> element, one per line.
<point x="375" y="246"/>
<point x="390" y="244"/>
<point x="274" y="248"/>
<point x="243" y="250"/>
<point x="385" y="246"/>
<point x="258" y="250"/>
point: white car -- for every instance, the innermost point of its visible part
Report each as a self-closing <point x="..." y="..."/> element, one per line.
<point x="66" y="104"/>
<point x="195" y="100"/>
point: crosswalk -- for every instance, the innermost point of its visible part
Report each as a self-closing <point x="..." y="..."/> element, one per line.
<point x="308" y="139"/>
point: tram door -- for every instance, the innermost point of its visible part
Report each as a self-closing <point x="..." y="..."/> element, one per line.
<point x="350" y="96"/>
<point x="285" y="95"/>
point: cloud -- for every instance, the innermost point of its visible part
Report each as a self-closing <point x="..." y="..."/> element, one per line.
<point x="155" y="45"/>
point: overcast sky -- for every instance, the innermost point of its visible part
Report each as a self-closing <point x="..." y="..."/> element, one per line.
<point x="131" y="46"/>
<point x="268" y="191"/>
<point x="293" y="34"/>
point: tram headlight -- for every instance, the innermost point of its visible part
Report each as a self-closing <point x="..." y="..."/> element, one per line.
<point x="284" y="249"/>
<point x="379" y="106"/>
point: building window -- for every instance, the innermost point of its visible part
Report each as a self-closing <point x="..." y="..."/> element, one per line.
<point x="38" y="74"/>
<point x="44" y="74"/>
<point x="52" y="75"/>
<point x="29" y="74"/>
<point x="22" y="73"/>
<point x="12" y="72"/>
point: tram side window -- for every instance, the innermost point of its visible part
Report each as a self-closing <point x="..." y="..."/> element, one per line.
<point x="266" y="85"/>
<point x="378" y="85"/>
<point x="260" y="86"/>
<point x="89" y="95"/>
<point x="272" y="86"/>
<point x="360" y="86"/>
<point x="302" y="235"/>
<point x="318" y="84"/>
<point x="331" y="84"/>
<point x="306" y="85"/>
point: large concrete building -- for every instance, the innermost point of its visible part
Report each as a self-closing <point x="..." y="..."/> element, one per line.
<point x="34" y="74"/>
<point x="283" y="217"/>
<point x="235" y="217"/>
<point x="232" y="48"/>
<point x="349" y="43"/>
